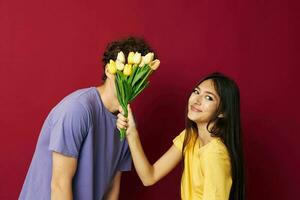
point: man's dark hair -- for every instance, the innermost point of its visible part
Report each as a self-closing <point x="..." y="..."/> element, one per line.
<point x="135" y="44"/>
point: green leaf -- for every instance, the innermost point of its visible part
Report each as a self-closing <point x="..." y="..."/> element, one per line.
<point x="134" y="70"/>
<point x="143" y="80"/>
<point x="119" y="95"/>
<point x="147" y="75"/>
<point x="138" y="91"/>
<point x="142" y="72"/>
<point x="127" y="91"/>
<point x="121" y="87"/>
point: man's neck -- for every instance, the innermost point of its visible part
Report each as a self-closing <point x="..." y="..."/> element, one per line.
<point x="107" y="97"/>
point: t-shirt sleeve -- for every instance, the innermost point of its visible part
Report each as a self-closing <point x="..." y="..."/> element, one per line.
<point x="125" y="164"/>
<point x="217" y="176"/>
<point x="178" y="141"/>
<point x="69" y="126"/>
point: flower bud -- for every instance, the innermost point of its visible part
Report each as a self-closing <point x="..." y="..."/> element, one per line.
<point x="154" y="64"/>
<point x="112" y="67"/>
<point x="127" y="69"/>
<point x="119" y="65"/>
<point x="137" y="58"/>
<point x="130" y="58"/>
<point x="142" y="64"/>
<point x="121" y="57"/>
<point x="148" y="58"/>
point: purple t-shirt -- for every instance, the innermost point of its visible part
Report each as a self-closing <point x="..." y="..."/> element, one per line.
<point x="81" y="127"/>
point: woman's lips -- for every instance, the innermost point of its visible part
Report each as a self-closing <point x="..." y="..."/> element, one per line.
<point x="193" y="108"/>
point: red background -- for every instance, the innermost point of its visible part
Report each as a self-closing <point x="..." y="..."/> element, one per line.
<point x="51" y="48"/>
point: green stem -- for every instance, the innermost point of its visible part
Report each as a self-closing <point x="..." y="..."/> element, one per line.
<point x="123" y="131"/>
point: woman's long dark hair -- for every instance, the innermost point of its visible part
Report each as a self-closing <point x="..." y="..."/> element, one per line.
<point x="228" y="128"/>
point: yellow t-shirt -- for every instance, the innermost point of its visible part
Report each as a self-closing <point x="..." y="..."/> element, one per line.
<point x="207" y="170"/>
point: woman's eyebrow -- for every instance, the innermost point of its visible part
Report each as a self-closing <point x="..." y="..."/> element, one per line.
<point x="211" y="93"/>
<point x="208" y="92"/>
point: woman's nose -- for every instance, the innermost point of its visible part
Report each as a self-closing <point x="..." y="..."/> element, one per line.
<point x="199" y="99"/>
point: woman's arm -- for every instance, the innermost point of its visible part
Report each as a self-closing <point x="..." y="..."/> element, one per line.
<point x="149" y="174"/>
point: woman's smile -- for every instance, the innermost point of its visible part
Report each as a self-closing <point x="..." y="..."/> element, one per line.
<point x="195" y="108"/>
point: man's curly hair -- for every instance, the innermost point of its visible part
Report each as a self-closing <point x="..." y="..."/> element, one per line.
<point x="126" y="45"/>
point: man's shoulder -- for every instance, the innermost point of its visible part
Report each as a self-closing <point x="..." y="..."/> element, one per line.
<point x="81" y="96"/>
<point x="76" y="102"/>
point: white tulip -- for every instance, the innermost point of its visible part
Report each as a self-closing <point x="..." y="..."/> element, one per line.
<point x="119" y="65"/>
<point x="137" y="58"/>
<point x="148" y="58"/>
<point x="121" y="57"/>
<point x="142" y="64"/>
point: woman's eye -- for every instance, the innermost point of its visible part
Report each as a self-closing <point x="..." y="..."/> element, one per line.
<point x="208" y="98"/>
<point x="196" y="91"/>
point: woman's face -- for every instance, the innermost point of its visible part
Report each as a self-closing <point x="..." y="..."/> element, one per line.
<point x="203" y="102"/>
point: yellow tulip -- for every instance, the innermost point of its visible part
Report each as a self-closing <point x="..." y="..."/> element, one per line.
<point x="112" y="67"/>
<point x="127" y="69"/>
<point x="154" y="64"/>
<point x="130" y="58"/>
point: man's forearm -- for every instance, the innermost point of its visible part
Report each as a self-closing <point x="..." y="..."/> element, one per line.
<point x="113" y="193"/>
<point x="63" y="170"/>
<point x="61" y="191"/>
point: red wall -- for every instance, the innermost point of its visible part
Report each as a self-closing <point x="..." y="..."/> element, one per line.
<point x="51" y="48"/>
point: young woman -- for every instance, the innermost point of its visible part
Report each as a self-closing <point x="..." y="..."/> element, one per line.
<point x="210" y="145"/>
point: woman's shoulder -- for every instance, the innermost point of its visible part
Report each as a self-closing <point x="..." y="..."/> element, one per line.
<point x="217" y="148"/>
<point x="178" y="140"/>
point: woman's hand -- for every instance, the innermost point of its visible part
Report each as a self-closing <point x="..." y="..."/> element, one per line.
<point x="126" y="123"/>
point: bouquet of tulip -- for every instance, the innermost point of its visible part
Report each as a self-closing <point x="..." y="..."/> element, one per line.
<point x="131" y="77"/>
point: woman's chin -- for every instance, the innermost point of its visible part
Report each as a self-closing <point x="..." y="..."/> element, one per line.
<point x="192" y="117"/>
<point x="196" y="118"/>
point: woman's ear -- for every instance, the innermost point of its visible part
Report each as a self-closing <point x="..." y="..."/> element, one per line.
<point x="221" y="115"/>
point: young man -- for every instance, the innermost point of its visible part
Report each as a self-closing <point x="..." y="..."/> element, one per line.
<point x="79" y="154"/>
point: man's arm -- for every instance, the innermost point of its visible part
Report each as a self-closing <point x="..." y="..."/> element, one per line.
<point x="113" y="193"/>
<point x="63" y="170"/>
